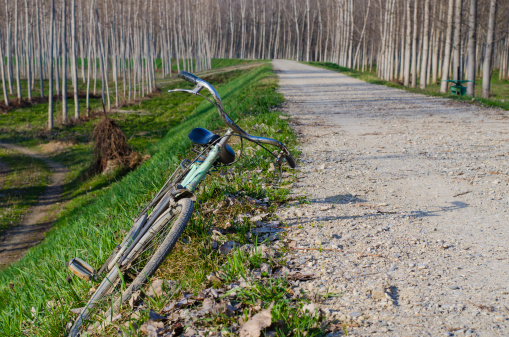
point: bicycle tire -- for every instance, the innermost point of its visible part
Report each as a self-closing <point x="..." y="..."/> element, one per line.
<point x="181" y="217"/>
<point x="163" y="250"/>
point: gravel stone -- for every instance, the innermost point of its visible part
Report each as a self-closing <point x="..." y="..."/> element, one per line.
<point x="398" y="179"/>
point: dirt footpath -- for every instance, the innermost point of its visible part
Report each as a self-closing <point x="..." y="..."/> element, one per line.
<point x="407" y="228"/>
<point x="16" y="241"/>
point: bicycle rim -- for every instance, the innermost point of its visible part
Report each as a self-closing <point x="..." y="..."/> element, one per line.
<point x="102" y="309"/>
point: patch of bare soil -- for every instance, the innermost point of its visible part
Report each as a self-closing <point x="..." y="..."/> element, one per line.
<point x="15" y="242"/>
<point x="406" y="224"/>
<point x="54" y="147"/>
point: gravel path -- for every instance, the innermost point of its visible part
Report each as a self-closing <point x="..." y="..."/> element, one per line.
<point x="16" y="241"/>
<point x="408" y="214"/>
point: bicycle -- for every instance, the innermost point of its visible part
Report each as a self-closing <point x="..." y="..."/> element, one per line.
<point x="158" y="226"/>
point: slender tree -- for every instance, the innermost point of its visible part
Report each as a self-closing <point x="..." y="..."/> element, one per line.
<point x="74" y="65"/>
<point x="472" y="40"/>
<point x="456" y="55"/>
<point x="488" y="59"/>
<point x="64" y="63"/>
<point x="447" y="51"/>
<point x="16" y="50"/>
<point x="4" y="87"/>
<point x="414" y="47"/>
<point x="51" y="50"/>
<point x="27" y="53"/>
<point x="425" y="46"/>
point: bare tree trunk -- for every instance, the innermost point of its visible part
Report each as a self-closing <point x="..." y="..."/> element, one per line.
<point x="456" y="70"/>
<point x="64" y="64"/>
<point x="16" y="50"/>
<point x="408" y="45"/>
<point x="488" y="58"/>
<point x="74" y="63"/>
<point x="8" y="47"/>
<point x="4" y="87"/>
<point x="104" y="78"/>
<point x="308" y="35"/>
<point x="89" y="56"/>
<point x="362" y="33"/>
<point x="414" y="48"/>
<point x="242" y="28"/>
<point x="425" y="46"/>
<point x="296" y="28"/>
<point x="231" y="27"/>
<point x="472" y="40"/>
<point x="41" y="74"/>
<point x="50" y="90"/>
<point x="28" y="56"/>
<point x="447" y="52"/>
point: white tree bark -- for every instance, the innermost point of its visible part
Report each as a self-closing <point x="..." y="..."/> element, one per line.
<point x="4" y="87"/>
<point x="16" y="50"/>
<point x="472" y="40"/>
<point x="27" y="53"/>
<point x="74" y="61"/>
<point x="408" y="45"/>
<point x="447" y="52"/>
<point x="488" y="58"/>
<point x="456" y="70"/>
<point x="64" y="63"/>
<point x="50" y="90"/>
<point x="40" y="48"/>
<point x="425" y="46"/>
<point x="414" y="47"/>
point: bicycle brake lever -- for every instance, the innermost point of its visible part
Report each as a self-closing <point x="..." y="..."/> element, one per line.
<point x="195" y="90"/>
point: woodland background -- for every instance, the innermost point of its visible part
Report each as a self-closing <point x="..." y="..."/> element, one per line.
<point x="69" y="48"/>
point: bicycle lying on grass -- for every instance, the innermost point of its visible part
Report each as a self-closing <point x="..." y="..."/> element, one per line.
<point x="158" y="226"/>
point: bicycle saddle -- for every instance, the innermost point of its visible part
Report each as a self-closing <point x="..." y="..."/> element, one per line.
<point x="204" y="137"/>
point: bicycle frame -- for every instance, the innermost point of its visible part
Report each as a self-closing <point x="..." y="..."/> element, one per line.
<point x="198" y="170"/>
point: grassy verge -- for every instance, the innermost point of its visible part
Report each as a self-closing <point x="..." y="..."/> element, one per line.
<point x="25" y="179"/>
<point x="144" y="123"/>
<point x="88" y="225"/>
<point x="499" y="89"/>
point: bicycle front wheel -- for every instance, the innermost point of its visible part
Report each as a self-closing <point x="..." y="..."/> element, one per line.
<point x="152" y="249"/>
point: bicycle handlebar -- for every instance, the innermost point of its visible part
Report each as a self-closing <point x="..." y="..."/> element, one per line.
<point x="188" y="77"/>
<point x="200" y="84"/>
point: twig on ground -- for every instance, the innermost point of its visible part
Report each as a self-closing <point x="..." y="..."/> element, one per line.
<point x="337" y="250"/>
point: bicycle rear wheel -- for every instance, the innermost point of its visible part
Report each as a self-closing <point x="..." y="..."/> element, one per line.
<point x="117" y="288"/>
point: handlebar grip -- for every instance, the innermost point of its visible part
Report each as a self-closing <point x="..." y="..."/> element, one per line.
<point x="188" y="77"/>
<point x="290" y="161"/>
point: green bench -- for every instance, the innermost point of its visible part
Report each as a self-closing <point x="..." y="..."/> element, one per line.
<point x="458" y="89"/>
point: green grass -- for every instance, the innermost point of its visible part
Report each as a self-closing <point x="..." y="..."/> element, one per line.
<point x="144" y="123"/>
<point x="499" y="89"/>
<point x="27" y="125"/>
<point x="19" y="189"/>
<point x="89" y="223"/>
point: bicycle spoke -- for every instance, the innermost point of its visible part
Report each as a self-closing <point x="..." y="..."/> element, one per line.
<point x="147" y="251"/>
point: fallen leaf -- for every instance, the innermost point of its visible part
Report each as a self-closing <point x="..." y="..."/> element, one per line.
<point x="155" y="288"/>
<point x="227" y="247"/>
<point x="257" y="323"/>
<point x="135" y="299"/>
<point x="190" y="332"/>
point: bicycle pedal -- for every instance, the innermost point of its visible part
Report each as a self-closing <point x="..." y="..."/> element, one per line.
<point x="82" y="269"/>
